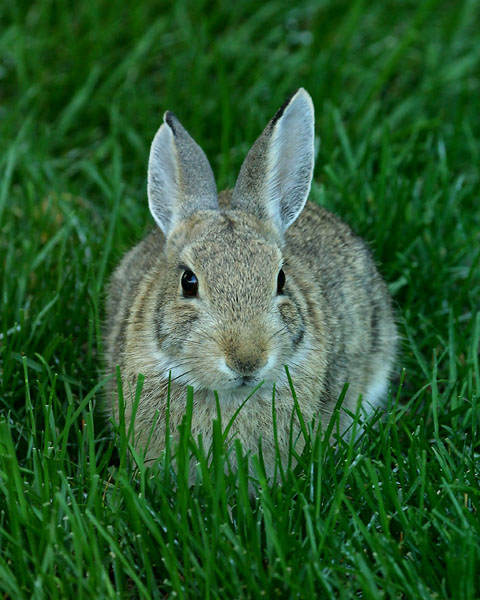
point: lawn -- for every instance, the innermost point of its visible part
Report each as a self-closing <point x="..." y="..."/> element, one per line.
<point x="396" y="87"/>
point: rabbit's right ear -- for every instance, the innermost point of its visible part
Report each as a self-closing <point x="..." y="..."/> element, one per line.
<point x="275" y="177"/>
<point x="180" y="179"/>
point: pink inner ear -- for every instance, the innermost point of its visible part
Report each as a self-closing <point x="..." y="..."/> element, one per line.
<point x="291" y="160"/>
<point x="163" y="178"/>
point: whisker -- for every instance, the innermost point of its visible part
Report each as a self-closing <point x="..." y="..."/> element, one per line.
<point x="207" y="335"/>
<point x="182" y="375"/>
<point x="277" y="332"/>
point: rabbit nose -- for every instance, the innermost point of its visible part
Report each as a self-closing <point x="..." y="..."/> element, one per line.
<point x="246" y="365"/>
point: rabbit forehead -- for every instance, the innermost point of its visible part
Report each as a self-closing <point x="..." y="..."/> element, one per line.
<point x="231" y="256"/>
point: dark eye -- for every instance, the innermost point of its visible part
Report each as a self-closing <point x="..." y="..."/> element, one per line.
<point x="280" y="281"/>
<point x="189" y="284"/>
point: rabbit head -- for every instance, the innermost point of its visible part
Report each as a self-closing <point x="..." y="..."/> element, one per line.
<point x="226" y="317"/>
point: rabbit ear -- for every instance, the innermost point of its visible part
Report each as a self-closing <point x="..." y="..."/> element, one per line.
<point x="180" y="179"/>
<point x="275" y="178"/>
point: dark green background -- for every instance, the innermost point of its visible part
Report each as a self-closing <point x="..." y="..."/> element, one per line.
<point x="83" y="87"/>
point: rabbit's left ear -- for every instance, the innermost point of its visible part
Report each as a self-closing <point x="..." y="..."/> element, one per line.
<point x="275" y="178"/>
<point x="180" y="179"/>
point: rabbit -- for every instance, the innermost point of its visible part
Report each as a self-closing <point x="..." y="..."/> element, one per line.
<point x="229" y="288"/>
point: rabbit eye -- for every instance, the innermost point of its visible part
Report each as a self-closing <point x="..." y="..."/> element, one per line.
<point x="280" y="281"/>
<point x="189" y="284"/>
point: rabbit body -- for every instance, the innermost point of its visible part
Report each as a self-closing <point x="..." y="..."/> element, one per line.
<point x="330" y="322"/>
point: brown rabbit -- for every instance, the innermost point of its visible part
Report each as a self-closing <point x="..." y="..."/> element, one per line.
<point x="227" y="290"/>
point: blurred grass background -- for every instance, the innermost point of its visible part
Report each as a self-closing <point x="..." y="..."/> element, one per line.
<point x="83" y="88"/>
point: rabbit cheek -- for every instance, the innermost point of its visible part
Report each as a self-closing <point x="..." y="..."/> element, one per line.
<point x="176" y="325"/>
<point x="293" y="320"/>
<point x="185" y="322"/>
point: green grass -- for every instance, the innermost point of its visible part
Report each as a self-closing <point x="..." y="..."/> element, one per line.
<point x="82" y="91"/>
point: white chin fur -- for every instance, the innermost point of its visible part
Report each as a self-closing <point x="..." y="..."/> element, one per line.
<point x="225" y="382"/>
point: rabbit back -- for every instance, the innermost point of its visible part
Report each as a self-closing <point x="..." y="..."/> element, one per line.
<point x="354" y="301"/>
